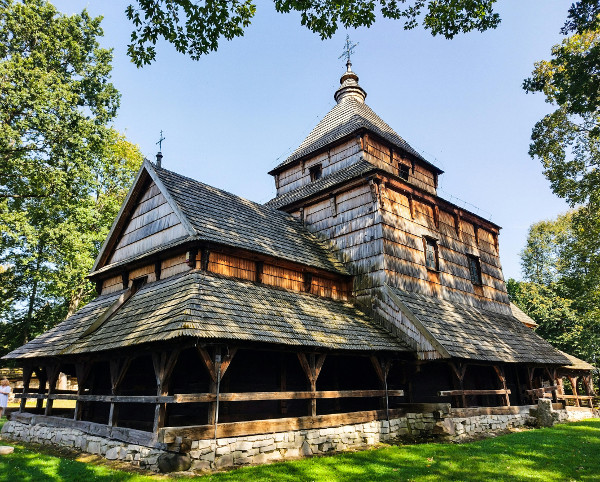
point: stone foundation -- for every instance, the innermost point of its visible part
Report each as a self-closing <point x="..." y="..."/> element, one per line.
<point x="259" y="449"/>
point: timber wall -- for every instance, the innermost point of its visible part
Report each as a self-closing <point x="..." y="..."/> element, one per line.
<point x="153" y="223"/>
<point x="331" y="161"/>
<point x="404" y="230"/>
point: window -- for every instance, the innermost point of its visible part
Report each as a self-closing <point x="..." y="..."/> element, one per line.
<point x="403" y="171"/>
<point x="431" y="254"/>
<point x="315" y="172"/>
<point x="474" y="270"/>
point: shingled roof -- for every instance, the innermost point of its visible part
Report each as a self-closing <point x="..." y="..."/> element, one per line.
<point x="467" y="332"/>
<point x="358" y="169"/>
<point x="344" y="119"/>
<point x="218" y="216"/>
<point x="225" y="218"/>
<point x="206" y="306"/>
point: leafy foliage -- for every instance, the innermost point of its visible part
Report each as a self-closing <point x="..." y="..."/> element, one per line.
<point x="562" y="257"/>
<point x="195" y="28"/>
<point x="561" y="288"/>
<point x="63" y="172"/>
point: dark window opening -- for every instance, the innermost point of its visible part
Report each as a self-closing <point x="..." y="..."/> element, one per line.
<point x="474" y="270"/>
<point x="315" y="172"/>
<point x="403" y="171"/>
<point x="431" y="254"/>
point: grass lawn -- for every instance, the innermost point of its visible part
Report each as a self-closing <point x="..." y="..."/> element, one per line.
<point x="562" y="453"/>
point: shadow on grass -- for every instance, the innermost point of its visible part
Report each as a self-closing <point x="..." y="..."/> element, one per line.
<point x="564" y="452"/>
<point x="27" y="464"/>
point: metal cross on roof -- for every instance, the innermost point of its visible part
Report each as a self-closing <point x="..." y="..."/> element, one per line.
<point x="160" y="141"/>
<point x="348" y="49"/>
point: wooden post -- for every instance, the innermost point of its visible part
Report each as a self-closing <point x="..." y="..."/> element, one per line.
<point x="553" y="374"/>
<point x="530" y="373"/>
<point x="163" y="368"/>
<point x="118" y="369"/>
<point x="53" y="372"/>
<point x="500" y="372"/>
<point x="382" y="368"/>
<point x="459" y="370"/>
<point x="82" y="371"/>
<point x="41" y="376"/>
<point x="282" y="384"/>
<point x="312" y="368"/>
<point x="27" y="370"/>
<point x="216" y="370"/>
<point x="573" y="381"/>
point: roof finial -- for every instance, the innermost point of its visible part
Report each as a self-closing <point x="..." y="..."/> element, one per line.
<point x="349" y="88"/>
<point x="348" y="51"/>
<point x="159" y="155"/>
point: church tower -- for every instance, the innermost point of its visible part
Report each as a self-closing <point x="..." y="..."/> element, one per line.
<point x="356" y="182"/>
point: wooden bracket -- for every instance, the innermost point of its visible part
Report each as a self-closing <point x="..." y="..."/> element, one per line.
<point x="157" y="269"/>
<point x="118" y="369"/>
<point x="382" y="367"/>
<point x="125" y="279"/>
<point x="312" y="368"/>
<point x="500" y="372"/>
<point x="210" y="364"/>
<point x="27" y="371"/>
<point x="164" y="363"/>
<point x="82" y="372"/>
<point x="53" y="371"/>
<point x="459" y="370"/>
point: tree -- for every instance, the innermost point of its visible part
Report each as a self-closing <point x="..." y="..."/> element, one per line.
<point x="196" y="28"/>
<point x="560" y="291"/>
<point x="63" y="169"/>
<point x="541" y="259"/>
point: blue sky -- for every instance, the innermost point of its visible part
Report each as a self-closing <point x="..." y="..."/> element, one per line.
<point x="232" y="116"/>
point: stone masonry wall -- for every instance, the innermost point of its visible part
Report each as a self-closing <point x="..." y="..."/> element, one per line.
<point x="259" y="449"/>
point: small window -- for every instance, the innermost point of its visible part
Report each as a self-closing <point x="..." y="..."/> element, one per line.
<point x="315" y="172"/>
<point x="431" y="254"/>
<point x="403" y="171"/>
<point x="474" y="270"/>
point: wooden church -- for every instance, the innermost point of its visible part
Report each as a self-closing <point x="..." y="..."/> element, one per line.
<point x="356" y="292"/>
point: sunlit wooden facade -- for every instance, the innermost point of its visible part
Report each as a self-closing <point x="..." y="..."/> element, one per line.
<point x="355" y="293"/>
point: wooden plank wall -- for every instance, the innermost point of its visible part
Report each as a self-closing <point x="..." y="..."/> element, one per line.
<point x="333" y="160"/>
<point x="152" y="224"/>
<point x="355" y="229"/>
<point x="282" y="277"/>
<point x="172" y="266"/>
<point x="232" y="266"/>
<point x="382" y="156"/>
<point x="111" y="285"/>
<point x="405" y="257"/>
<point x="169" y="267"/>
<point x="145" y="271"/>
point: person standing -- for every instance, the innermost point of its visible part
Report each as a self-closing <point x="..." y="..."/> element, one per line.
<point x="4" y="393"/>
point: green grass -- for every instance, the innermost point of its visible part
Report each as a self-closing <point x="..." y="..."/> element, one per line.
<point x="562" y="453"/>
